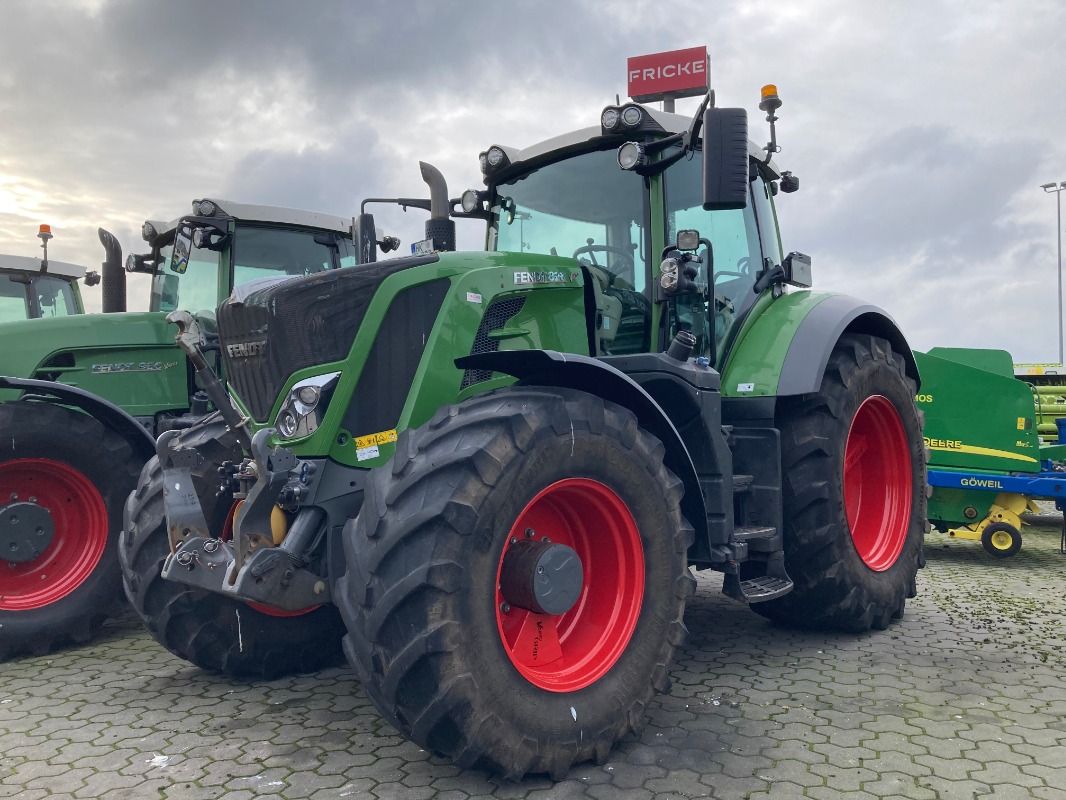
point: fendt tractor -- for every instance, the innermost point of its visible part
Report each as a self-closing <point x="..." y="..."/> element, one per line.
<point x="93" y="391"/>
<point x="491" y="472"/>
<point x="31" y="288"/>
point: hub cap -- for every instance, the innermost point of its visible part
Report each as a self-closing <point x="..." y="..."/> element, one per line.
<point x="877" y="483"/>
<point x="66" y="507"/>
<point x="575" y="528"/>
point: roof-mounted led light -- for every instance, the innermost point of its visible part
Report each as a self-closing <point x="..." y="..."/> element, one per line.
<point x="207" y="208"/>
<point x="609" y="118"/>
<point x="148" y="231"/>
<point x="631" y="155"/>
<point x="632" y="116"/>
<point x="483" y="159"/>
<point x="495" y="156"/>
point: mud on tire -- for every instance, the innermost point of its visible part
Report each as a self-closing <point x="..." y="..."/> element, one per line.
<point x="70" y="464"/>
<point x="854" y="509"/>
<point x="213" y="632"/>
<point x="435" y="646"/>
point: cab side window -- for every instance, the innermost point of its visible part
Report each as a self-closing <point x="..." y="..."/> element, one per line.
<point x="710" y="313"/>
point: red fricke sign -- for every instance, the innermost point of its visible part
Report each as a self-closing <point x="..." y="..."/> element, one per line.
<point x="681" y="73"/>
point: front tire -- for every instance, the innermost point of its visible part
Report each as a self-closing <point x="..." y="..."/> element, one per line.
<point x="854" y="492"/>
<point x="214" y="632"/>
<point x="441" y="644"/>
<point x="69" y="475"/>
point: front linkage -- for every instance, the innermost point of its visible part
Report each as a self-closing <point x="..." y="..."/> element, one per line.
<point x="247" y="566"/>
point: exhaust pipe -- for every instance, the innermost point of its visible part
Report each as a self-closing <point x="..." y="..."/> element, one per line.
<point x="440" y="227"/>
<point x="114" y="276"/>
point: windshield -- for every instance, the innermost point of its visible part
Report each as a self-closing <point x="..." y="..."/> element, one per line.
<point x="586" y="208"/>
<point x="23" y="297"/>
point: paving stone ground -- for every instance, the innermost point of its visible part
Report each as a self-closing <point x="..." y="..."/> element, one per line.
<point x="965" y="698"/>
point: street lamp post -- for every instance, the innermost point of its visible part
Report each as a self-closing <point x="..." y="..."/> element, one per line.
<point x="1057" y="189"/>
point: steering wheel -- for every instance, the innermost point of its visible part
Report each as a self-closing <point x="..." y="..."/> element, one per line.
<point x="592" y="249"/>
<point x="743" y="270"/>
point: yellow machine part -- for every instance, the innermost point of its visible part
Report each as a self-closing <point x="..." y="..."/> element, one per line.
<point x="279" y="523"/>
<point x="1007" y="507"/>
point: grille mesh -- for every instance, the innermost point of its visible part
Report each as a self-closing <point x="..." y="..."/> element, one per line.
<point x="496" y="316"/>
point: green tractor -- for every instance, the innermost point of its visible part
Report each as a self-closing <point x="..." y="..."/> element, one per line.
<point x="486" y="476"/>
<point x="93" y="391"/>
<point x="32" y="288"/>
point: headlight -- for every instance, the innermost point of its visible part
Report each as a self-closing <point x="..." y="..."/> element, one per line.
<point x="204" y="208"/>
<point x="305" y="407"/>
<point x="609" y="118"/>
<point x="198" y="237"/>
<point x="148" y="231"/>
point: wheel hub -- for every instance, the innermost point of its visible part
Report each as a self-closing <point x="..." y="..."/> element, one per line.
<point x="26" y="530"/>
<point x="543" y="577"/>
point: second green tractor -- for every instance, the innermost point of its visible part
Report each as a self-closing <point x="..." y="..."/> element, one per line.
<point x="487" y="476"/>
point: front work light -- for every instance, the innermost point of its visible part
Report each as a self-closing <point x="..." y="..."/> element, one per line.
<point x="631" y="155"/>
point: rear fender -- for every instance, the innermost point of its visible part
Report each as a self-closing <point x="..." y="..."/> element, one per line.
<point x="785" y="350"/>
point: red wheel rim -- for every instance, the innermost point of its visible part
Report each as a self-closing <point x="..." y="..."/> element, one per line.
<point x="270" y="611"/>
<point x="573" y="650"/>
<point x="878" y="482"/>
<point x="79" y="517"/>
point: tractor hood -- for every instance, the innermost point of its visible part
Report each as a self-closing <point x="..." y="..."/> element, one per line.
<point x="114" y="355"/>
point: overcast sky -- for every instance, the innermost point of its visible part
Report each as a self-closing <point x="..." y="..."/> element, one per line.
<point x="921" y="131"/>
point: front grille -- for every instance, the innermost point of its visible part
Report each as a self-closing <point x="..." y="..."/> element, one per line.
<point x="270" y="333"/>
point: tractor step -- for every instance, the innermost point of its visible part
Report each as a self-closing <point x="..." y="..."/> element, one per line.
<point x="742" y="483"/>
<point x="747" y="534"/>
<point x="756" y="590"/>
<point x="759" y="539"/>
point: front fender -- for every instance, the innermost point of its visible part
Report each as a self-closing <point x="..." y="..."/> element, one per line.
<point x="784" y="350"/>
<point x="109" y="414"/>
<point x="551" y="368"/>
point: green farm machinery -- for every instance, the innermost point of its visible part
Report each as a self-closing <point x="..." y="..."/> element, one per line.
<point x="987" y="460"/>
<point x="88" y="394"/>
<point x="486" y="476"/>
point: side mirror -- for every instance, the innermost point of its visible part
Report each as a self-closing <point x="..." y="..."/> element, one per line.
<point x="365" y="237"/>
<point x="725" y="159"/>
<point x="179" y="259"/>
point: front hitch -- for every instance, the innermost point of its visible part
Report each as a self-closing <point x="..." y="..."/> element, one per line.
<point x="248" y="567"/>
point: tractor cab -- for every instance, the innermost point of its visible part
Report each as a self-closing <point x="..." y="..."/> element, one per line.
<point x="615" y="197"/>
<point x="196" y="260"/>
<point x="31" y="288"/>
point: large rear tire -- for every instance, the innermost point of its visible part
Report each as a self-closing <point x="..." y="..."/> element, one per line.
<point x="216" y="633"/>
<point x="441" y="644"/>
<point x="68" y="475"/>
<point x="854" y="492"/>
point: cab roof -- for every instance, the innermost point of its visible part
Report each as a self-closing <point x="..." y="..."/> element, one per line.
<point x="581" y="138"/>
<point x="279" y="215"/>
<point x="30" y="264"/>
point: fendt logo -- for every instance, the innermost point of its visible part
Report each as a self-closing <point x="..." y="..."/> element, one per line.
<point x="679" y="73"/>
<point x="246" y="349"/>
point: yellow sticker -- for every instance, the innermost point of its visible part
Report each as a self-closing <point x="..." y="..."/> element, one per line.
<point x="1021" y="423"/>
<point x="374" y="439"/>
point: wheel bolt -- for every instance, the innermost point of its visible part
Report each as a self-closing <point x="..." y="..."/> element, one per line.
<point x="529" y="533"/>
<point x="505" y="607"/>
<point x="513" y="540"/>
